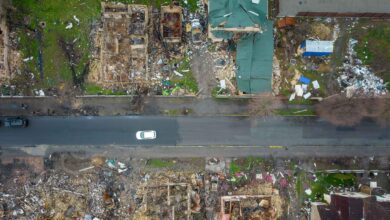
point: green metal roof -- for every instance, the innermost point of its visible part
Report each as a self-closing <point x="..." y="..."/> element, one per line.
<point x="255" y="50"/>
<point x="236" y="13"/>
<point x="254" y="60"/>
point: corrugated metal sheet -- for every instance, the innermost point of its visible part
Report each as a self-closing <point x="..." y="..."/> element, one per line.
<point x="236" y="13"/>
<point x="255" y="50"/>
<point x="254" y="61"/>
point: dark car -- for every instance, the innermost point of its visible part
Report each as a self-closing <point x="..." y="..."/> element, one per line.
<point x="15" y="122"/>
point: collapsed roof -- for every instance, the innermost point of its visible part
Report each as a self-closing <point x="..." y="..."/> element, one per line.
<point x="255" y="48"/>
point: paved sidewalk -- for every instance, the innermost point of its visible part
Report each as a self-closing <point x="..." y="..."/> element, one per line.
<point x="127" y="105"/>
<point x="122" y="152"/>
<point x="200" y="107"/>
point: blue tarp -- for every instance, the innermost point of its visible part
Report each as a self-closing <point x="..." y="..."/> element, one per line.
<point x="315" y="54"/>
<point x="304" y="80"/>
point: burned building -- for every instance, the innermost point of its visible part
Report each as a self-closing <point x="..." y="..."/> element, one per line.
<point x="167" y="201"/>
<point x="171" y="23"/>
<point x="4" y="69"/>
<point x="247" y="207"/>
<point x="124" y="42"/>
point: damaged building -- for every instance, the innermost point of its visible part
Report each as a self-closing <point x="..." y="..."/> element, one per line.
<point x="352" y="205"/>
<point x="4" y="69"/>
<point x="124" y="43"/>
<point x="171" y="23"/>
<point x="247" y="207"/>
<point x="166" y="201"/>
<point x="247" y="23"/>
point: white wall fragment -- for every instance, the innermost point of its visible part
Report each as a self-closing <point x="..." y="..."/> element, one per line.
<point x="316" y="85"/>
<point x="307" y="95"/>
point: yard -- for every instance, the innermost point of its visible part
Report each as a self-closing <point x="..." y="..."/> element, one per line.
<point x="55" y="41"/>
<point x="313" y="187"/>
<point x="293" y="64"/>
<point x="190" y="4"/>
<point x="91" y="89"/>
<point x="182" y="79"/>
<point x="374" y="46"/>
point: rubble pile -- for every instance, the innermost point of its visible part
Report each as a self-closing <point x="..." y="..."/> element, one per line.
<point x="357" y="79"/>
<point x="104" y="188"/>
<point x="161" y="44"/>
<point x="90" y="193"/>
<point x="10" y="58"/>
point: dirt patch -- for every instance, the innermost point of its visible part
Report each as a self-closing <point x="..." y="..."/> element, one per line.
<point x="203" y="70"/>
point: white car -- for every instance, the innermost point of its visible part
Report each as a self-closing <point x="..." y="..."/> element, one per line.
<point x="145" y="135"/>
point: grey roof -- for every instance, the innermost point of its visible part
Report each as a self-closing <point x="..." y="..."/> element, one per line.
<point x="293" y="7"/>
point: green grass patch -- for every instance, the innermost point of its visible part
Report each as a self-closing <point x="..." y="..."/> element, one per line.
<point x="251" y="162"/>
<point x="187" y="81"/>
<point x="363" y="52"/>
<point x="295" y="112"/>
<point x="218" y="91"/>
<point x="373" y="49"/>
<point x="322" y="185"/>
<point x="313" y="75"/>
<point x="325" y="180"/>
<point x="56" y="15"/>
<point x="158" y="163"/>
<point x="245" y="164"/>
<point x="215" y="91"/>
<point x="301" y="101"/>
<point x="234" y="168"/>
<point x="190" y="5"/>
<point x="91" y="89"/>
<point x="299" y="186"/>
<point x="172" y="112"/>
<point x="374" y="45"/>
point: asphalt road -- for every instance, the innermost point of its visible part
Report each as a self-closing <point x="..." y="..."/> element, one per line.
<point x="89" y="131"/>
<point x="192" y="131"/>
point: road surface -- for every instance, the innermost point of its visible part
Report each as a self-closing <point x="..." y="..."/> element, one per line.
<point x="192" y="131"/>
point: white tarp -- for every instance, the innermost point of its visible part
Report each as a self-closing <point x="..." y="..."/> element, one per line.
<point x="222" y="84"/>
<point x="307" y="95"/>
<point x="292" y="97"/>
<point x="316" y="85"/>
<point x="319" y="46"/>
<point x="299" y="90"/>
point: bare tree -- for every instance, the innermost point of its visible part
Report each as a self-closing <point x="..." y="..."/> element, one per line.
<point x="384" y="118"/>
<point x="343" y="111"/>
<point x="261" y="106"/>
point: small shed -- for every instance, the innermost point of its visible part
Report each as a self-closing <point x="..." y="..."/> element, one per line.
<point x="317" y="48"/>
